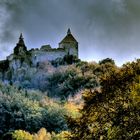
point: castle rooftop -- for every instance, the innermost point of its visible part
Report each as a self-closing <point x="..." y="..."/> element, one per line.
<point x="21" y="40"/>
<point x="68" y="38"/>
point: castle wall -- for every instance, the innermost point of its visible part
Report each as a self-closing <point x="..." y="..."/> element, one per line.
<point x="42" y="56"/>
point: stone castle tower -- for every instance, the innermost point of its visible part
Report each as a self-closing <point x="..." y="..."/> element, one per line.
<point x="70" y="44"/>
<point x="20" y="48"/>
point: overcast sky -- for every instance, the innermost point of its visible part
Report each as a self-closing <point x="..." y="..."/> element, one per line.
<point x="103" y="28"/>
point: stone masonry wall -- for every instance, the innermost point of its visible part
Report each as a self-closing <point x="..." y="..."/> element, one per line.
<point x="42" y="56"/>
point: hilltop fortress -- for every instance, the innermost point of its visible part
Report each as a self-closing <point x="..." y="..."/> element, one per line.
<point x="68" y="46"/>
<point x="22" y="61"/>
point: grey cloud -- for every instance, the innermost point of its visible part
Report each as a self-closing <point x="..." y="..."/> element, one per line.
<point x="107" y="28"/>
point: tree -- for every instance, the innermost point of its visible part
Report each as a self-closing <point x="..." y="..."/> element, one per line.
<point x="29" y="111"/>
<point x="67" y="82"/>
<point x="107" y="60"/>
<point x="111" y="112"/>
<point x="21" y="135"/>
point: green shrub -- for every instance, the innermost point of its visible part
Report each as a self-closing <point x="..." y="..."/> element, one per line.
<point x="21" y="135"/>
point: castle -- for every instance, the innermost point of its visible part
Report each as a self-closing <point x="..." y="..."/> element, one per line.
<point x="68" y="46"/>
<point x="23" y="65"/>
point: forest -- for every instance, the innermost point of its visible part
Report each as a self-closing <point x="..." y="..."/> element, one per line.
<point x="79" y="101"/>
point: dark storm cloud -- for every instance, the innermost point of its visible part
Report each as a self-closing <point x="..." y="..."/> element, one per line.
<point x="109" y="28"/>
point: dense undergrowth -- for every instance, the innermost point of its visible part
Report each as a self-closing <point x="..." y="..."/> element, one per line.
<point x="79" y="101"/>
